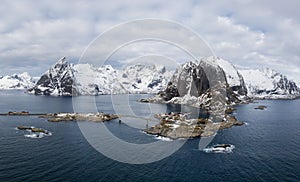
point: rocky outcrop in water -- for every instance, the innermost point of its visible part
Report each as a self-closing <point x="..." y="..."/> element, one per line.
<point x="261" y="107"/>
<point x="96" y="117"/>
<point x="178" y="125"/>
<point x="32" y="129"/>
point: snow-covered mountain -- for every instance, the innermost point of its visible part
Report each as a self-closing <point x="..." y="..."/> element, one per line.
<point x="189" y="79"/>
<point x="143" y="78"/>
<point x="64" y="79"/>
<point x="93" y="81"/>
<point x="234" y="78"/>
<point x="190" y="82"/>
<point x="203" y="84"/>
<point x="21" y="81"/>
<point x="58" y="80"/>
<point x="269" y="84"/>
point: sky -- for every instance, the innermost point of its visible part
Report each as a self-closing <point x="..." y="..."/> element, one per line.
<point x="249" y="34"/>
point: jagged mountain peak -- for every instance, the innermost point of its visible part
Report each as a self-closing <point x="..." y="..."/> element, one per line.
<point x="192" y="78"/>
<point x="60" y="65"/>
<point x="189" y="78"/>
<point x="62" y="61"/>
<point x="85" y="79"/>
<point x="58" y="80"/>
<point x="209" y="72"/>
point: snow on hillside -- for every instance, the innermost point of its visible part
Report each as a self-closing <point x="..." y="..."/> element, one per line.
<point x="269" y="84"/>
<point x="143" y="78"/>
<point x="132" y="79"/>
<point x="257" y="80"/>
<point x="232" y="75"/>
<point x="64" y="79"/>
<point x="21" y="81"/>
<point x="93" y="81"/>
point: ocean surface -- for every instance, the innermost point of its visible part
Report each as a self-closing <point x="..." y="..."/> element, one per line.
<point x="267" y="148"/>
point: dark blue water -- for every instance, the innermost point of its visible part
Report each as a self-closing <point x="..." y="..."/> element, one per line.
<point x="266" y="149"/>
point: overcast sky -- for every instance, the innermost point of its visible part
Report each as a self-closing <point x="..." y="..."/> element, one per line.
<point x="255" y="34"/>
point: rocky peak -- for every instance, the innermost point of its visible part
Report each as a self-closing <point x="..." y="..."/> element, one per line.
<point x="233" y="77"/>
<point x="201" y="84"/>
<point x="58" y="80"/>
<point x="190" y="79"/>
<point x="61" y="61"/>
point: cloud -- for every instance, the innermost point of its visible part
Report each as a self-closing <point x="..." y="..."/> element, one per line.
<point x="34" y="34"/>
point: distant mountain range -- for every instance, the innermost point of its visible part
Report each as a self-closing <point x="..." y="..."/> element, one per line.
<point x="64" y="79"/>
<point x="21" y="81"/>
<point x="269" y="84"/>
<point x="191" y="79"/>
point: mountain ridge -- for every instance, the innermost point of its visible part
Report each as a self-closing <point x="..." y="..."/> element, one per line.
<point x="269" y="84"/>
<point x="65" y="79"/>
<point x="16" y="81"/>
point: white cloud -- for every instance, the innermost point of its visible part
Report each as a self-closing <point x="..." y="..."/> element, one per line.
<point x="249" y="33"/>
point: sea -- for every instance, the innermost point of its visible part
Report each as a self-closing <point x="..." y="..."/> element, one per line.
<point x="266" y="148"/>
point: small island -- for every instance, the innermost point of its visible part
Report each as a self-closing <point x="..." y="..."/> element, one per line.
<point x="58" y="117"/>
<point x="173" y="125"/>
<point x="261" y="107"/>
<point x="33" y="129"/>
<point x="178" y="125"/>
<point x="96" y="117"/>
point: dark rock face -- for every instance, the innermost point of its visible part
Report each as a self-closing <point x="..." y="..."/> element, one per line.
<point x="153" y="83"/>
<point x="170" y="92"/>
<point x="218" y="83"/>
<point x="204" y="80"/>
<point x="242" y="89"/>
<point x="289" y="86"/>
<point x="214" y="73"/>
<point x="189" y="78"/>
<point x="59" y="80"/>
<point x="232" y="96"/>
